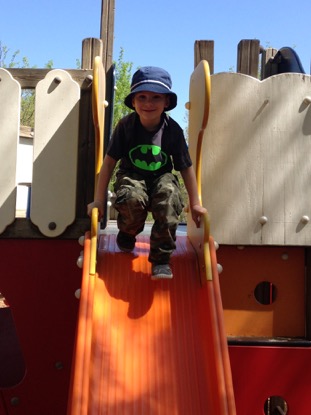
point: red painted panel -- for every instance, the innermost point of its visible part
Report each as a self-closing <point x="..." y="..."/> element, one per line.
<point x="261" y="372"/>
<point x="12" y="362"/>
<point x="39" y="278"/>
<point x="3" y="410"/>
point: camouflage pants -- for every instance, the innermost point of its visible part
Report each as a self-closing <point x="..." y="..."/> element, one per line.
<point x="136" y="196"/>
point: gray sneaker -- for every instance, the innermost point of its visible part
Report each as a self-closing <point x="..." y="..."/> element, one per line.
<point x="161" y="271"/>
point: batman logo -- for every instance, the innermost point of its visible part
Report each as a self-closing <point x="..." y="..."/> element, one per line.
<point x="148" y="157"/>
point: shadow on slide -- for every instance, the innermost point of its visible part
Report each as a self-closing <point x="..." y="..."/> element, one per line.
<point x="149" y="347"/>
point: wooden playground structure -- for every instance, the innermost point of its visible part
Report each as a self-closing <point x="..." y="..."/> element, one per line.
<point x="234" y="343"/>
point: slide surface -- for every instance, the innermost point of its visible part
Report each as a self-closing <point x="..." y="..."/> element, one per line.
<point x="147" y="347"/>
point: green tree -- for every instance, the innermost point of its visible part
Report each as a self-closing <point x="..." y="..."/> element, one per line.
<point x="4" y="57"/>
<point x="123" y="74"/>
<point x="28" y="108"/>
<point x="10" y="60"/>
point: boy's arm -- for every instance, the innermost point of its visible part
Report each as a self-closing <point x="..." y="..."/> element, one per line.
<point x="197" y="210"/>
<point x="102" y="185"/>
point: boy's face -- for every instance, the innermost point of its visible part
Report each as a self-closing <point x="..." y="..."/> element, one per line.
<point x="149" y="106"/>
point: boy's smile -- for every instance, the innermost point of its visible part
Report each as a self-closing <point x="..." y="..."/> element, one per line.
<point x="150" y="106"/>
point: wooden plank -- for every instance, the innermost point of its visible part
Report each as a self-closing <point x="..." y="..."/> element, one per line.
<point x="10" y="95"/>
<point x="248" y="57"/>
<point x="204" y="50"/>
<point x="53" y="197"/>
<point x="28" y="78"/>
<point x="107" y="37"/>
<point x="107" y="31"/>
<point x="98" y="105"/>
<point x="91" y="47"/>
<point x="23" y="228"/>
<point x="267" y="67"/>
<point x="86" y="157"/>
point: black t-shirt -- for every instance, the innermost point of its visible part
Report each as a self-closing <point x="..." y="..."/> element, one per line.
<point x="150" y="154"/>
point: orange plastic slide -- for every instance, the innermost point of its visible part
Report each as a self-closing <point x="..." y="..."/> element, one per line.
<point x="149" y="347"/>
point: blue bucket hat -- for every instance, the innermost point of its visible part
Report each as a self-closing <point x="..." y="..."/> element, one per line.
<point x="151" y="79"/>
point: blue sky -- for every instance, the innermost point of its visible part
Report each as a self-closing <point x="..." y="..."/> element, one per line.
<point x="155" y="32"/>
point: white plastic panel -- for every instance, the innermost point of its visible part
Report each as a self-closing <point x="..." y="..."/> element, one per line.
<point x="257" y="164"/>
<point x="10" y="95"/>
<point x="53" y="197"/>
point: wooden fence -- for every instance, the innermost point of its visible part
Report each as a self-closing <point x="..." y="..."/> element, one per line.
<point x="63" y="149"/>
<point x="256" y="165"/>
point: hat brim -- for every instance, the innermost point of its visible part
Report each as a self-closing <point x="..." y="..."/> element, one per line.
<point x="158" y="89"/>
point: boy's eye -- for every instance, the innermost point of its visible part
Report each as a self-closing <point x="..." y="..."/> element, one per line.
<point x="142" y="97"/>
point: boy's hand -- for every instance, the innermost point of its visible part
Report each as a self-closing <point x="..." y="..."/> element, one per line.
<point x="196" y="212"/>
<point x="96" y="204"/>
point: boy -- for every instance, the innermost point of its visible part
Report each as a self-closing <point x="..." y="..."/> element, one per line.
<point x="149" y="143"/>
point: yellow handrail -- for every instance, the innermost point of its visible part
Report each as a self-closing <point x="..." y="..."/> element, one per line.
<point x="206" y="222"/>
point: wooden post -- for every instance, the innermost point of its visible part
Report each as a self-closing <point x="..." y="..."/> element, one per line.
<point x="86" y="154"/>
<point x="91" y="47"/>
<point x="107" y="31"/>
<point x="248" y="57"/>
<point x="268" y="68"/>
<point x="204" y="49"/>
<point x="107" y="35"/>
